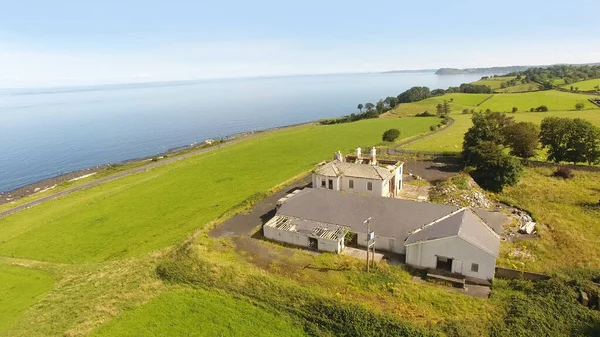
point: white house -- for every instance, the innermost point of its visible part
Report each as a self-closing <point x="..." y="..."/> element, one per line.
<point x="360" y="175"/>
<point x="433" y="236"/>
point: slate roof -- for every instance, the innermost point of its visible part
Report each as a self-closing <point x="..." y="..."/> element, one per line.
<point x="392" y="218"/>
<point x="343" y="169"/>
<point x="464" y="224"/>
<point x="307" y="227"/>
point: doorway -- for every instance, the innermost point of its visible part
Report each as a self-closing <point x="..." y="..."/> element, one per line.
<point x="444" y="263"/>
<point x="313" y="243"/>
<point x="330" y="184"/>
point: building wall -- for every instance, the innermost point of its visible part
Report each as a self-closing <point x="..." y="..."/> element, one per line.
<point x="300" y="239"/>
<point x="382" y="243"/>
<point x="463" y="253"/>
<point x="360" y="185"/>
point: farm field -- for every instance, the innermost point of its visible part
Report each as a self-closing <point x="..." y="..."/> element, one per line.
<point x="584" y="85"/>
<point x="199" y="313"/>
<point x="451" y="138"/>
<point x="155" y="209"/>
<point x="521" y="88"/>
<point x="20" y="288"/>
<point x="494" y="82"/>
<point x="458" y="103"/>
<point x="554" y="100"/>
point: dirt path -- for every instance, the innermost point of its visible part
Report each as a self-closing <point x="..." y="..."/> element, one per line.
<point x="144" y="168"/>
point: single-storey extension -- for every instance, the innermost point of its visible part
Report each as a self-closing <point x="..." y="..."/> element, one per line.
<point x="450" y="238"/>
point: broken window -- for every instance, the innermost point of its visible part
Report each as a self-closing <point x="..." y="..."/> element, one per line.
<point x="475" y="267"/>
<point x="323" y="183"/>
<point x="351" y="183"/>
<point x="369" y="186"/>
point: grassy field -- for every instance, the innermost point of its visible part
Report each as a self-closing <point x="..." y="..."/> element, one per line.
<point x="20" y="288"/>
<point x="151" y="210"/>
<point x="199" y="313"/>
<point x="554" y="100"/>
<point x="584" y="85"/>
<point x="458" y="103"/>
<point x="494" y="82"/>
<point x="521" y="88"/>
<point x="569" y="218"/>
<point x="451" y="138"/>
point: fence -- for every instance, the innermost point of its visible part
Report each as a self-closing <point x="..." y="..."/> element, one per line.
<point x="513" y="274"/>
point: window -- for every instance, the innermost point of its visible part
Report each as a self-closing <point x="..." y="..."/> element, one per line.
<point x="369" y="186"/>
<point x="323" y="182"/>
<point x="351" y="183"/>
<point x="475" y="267"/>
<point x="330" y="184"/>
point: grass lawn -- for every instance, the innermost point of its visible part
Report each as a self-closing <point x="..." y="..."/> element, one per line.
<point x="521" y="88"/>
<point x="458" y="103"/>
<point x="570" y="223"/>
<point x="199" y="313"/>
<point x="584" y="85"/>
<point x="494" y="82"/>
<point x="158" y="208"/>
<point x="554" y="100"/>
<point x="451" y="138"/>
<point x="20" y="288"/>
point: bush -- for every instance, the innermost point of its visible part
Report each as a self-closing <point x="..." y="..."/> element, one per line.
<point x="541" y="108"/>
<point x="579" y="106"/>
<point x="531" y="110"/>
<point x="433" y="127"/>
<point x="465" y="111"/>
<point x="390" y="135"/>
<point x="564" y="172"/>
<point x="425" y="114"/>
<point x="444" y="121"/>
<point x="515" y="109"/>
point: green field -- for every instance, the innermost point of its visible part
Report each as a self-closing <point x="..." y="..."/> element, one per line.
<point x="494" y="82"/>
<point x="451" y="138"/>
<point x="521" y="88"/>
<point x="584" y="85"/>
<point x="155" y="209"/>
<point x="554" y="100"/>
<point x="458" y="102"/>
<point x="20" y="288"/>
<point x="199" y="313"/>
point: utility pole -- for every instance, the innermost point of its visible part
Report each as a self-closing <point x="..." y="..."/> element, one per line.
<point x="370" y="242"/>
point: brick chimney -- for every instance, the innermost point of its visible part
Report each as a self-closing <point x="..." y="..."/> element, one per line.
<point x="373" y="156"/>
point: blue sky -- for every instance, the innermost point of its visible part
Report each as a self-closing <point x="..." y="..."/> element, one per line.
<point x="84" y="42"/>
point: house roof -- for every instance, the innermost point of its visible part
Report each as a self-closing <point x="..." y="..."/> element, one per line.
<point x="392" y="218"/>
<point x="337" y="168"/>
<point x="464" y="224"/>
<point x="307" y="227"/>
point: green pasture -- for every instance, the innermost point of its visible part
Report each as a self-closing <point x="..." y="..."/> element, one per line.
<point x="450" y="139"/>
<point x="521" y="88"/>
<point x="199" y="313"/>
<point x="20" y="288"/>
<point x="554" y="100"/>
<point x="457" y="101"/>
<point x="158" y="208"/>
<point x="494" y="82"/>
<point x="584" y="85"/>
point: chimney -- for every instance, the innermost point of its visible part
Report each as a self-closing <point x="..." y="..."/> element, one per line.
<point x="338" y="156"/>
<point x="358" y="156"/>
<point x="373" y="156"/>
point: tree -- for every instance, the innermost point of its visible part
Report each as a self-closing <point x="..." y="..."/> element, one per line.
<point x="494" y="169"/>
<point x="522" y="138"/>
<point x="554" y="135"/>
<point x="515" y="109"/>
<point x="360" y="107"/>
<point x="369" y="106"/>
<point x="446" y="108"/>
<point x="579" y="106"/>
<point x="391" y="101"/>
<point x="380" y="106"/>
<point x="414" y="94"/>
<point x="572" y="88"/>
<point x="438" y="92"/>
<point x="583" y="144"/>
<point x="487" y="127"/>
<point x="439" y="110"/>
<point x="390" y="135"/>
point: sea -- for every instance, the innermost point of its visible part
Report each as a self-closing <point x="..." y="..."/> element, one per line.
<point x="45" y="132"/>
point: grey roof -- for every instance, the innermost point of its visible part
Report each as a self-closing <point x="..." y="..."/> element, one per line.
<point x="494" y="219"/>
<point x="337" y="168"/>
<point x="307" y="227"/>
<point x="464" y="224"/>
<point x="393" y="218"/>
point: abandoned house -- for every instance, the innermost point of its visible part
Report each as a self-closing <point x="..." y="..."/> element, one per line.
<point x="360" y="175"/>
<point x="443" y="237"/>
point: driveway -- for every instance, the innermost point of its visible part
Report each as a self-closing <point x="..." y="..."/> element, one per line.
<point x="244" y="224"/>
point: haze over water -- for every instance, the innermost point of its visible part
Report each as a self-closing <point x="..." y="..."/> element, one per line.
<point x="47" y="132"/>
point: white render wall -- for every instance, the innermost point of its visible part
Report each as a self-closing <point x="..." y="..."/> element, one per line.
<point x="300" y="239"/>
<point x="382" y="243"/>
<point x="360" y="185"/>
<point x="424" y="254"/>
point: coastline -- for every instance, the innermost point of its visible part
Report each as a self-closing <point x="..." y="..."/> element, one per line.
<point x="43" y="185"/>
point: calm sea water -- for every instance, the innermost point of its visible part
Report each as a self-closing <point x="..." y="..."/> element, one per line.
<point x="47" y="132"/>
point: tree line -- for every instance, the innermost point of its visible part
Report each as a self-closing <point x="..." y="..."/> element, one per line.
<point x="486" y="143"/>
<point x="546" y="75"/>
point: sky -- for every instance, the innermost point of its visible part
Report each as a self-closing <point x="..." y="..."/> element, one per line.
<point x="53" y="43"/>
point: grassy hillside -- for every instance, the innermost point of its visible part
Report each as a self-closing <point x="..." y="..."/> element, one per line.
<point x="584" y="85"/>
<point x="554" y="100"/>
<point x="521" y="88"/>
<point x="20" y="288"/>
<point x="450" y="139"/>
<point x="494" y="82"/>
<point x="157" y="208"/>
<point x="458" y="102"/>
<point x="200" y="313"/>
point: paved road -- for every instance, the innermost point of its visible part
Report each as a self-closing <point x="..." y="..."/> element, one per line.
<point x="168" y="160"/>
<point x="244" y="224"/>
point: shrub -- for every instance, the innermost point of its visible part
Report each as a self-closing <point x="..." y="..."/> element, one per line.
<point x="390" y="135"/>
<point x="444" y="121"/>
<point x="564" y="172"/>
<point x="579" y="106"/>
<point x="465" y="111"/>
<point x="531" y="110"/>
<point x="541" y="108"/>
<point x="425" y="114"/>
<point x="433" y="127"/>
<point x="515" y="109"/>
